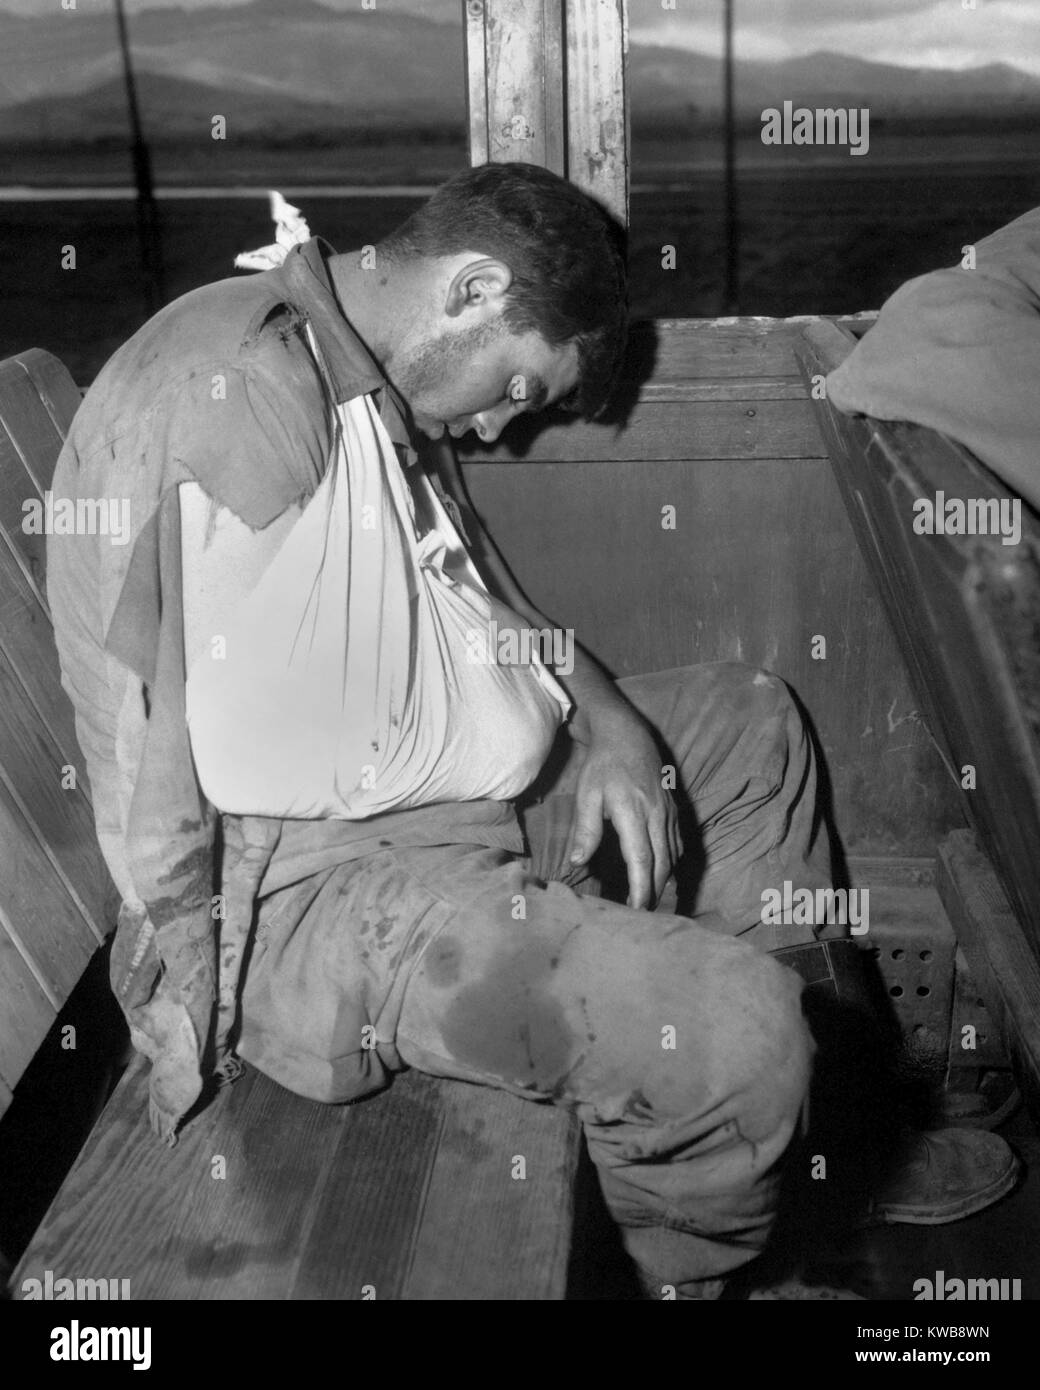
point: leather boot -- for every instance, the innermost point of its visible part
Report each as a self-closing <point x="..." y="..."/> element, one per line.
<point x="920" y="1178"/>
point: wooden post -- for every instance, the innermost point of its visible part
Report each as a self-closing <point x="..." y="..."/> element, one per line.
<point x="546" y="85"/>
<point x="597" y="102"/>
<point x="148" y="230"/>
<point x="731" y="293"/>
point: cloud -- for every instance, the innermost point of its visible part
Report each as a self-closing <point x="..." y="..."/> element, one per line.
<point x="795" y="14"/>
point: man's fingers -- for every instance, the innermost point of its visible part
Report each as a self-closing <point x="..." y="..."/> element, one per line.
<point x="675" y="843"/>
<point x="638" y="854"/>
<point x="661" y="843"/>
<point x="587" y="827"/>
<point x="647" y="831"/>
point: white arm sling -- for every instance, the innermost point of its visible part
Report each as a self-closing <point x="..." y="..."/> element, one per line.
<point x="351" y="680"/>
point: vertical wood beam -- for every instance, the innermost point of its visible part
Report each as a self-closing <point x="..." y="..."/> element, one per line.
<point x="514" y="62"/>
<point x="475" y="57"/>
<point x="597" y="101"/>
<point x="546" y="85"/>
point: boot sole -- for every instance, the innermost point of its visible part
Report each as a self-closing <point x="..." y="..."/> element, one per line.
<point x="969" y="1205"/>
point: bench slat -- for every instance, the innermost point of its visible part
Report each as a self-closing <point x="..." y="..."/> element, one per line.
<point x="30" y="426"/>
<point x="135" y="1210"/>
<point x="525" y="1223"/>
<point x="319" y="1200"/>
<point x="38" y="400"/>
<point x="384" y="1172"/>
<point x="58" y="818"/>
<point x="53" y="884"/>
<point x="50" y="930"/>
<point x="27" y="644"/>
<point x="55" y="388"/>
<point x="29" y="446"/>
<point x="28" y="552"/>
<point x="27" y="1015"/>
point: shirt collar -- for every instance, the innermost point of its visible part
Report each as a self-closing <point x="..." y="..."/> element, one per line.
<point x="352" y="369"/>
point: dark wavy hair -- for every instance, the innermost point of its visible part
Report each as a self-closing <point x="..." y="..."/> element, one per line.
<point x="565" y="251"/>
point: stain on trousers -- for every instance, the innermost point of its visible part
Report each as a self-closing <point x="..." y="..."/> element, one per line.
<point x="677" y="1040"/>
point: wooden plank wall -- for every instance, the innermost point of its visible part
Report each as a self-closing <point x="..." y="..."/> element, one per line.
<point x="959" y="605"/>
<point x="760" y="563"/>
<point x="53" y="886"/>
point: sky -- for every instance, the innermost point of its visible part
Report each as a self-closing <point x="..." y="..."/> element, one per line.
<point x="908" y="33"/>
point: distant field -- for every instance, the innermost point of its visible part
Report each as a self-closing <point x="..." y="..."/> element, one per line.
<point x="813" y="240"/>
<point x="674" y="151"/>
<point x="254" y="163"/>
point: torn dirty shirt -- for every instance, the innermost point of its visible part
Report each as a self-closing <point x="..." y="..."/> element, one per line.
<point x="219" y="388"/>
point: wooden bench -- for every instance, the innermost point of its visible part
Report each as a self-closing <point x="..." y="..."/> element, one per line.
<point x="965" y="610"/>
<point x="412" y="1194"/>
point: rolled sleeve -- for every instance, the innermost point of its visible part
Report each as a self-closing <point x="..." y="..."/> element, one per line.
<point x="255" y="435"/>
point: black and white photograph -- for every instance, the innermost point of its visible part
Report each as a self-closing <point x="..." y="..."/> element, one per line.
<point x="520" y="669"/>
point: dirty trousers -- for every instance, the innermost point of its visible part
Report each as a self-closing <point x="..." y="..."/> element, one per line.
<point x="677" y="1040"/>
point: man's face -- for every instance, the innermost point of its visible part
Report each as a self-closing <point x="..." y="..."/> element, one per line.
<point x="480" y="377"/>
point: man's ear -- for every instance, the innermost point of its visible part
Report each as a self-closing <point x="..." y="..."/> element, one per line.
<point x="480" y="284"/>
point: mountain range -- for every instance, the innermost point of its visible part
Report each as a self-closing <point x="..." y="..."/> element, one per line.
<point x="304" y="70"/>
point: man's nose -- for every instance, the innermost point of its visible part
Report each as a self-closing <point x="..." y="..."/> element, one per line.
<point x="489" y="424"/>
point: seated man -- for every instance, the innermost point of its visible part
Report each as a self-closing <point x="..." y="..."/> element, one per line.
<point x="335" y="926"/>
